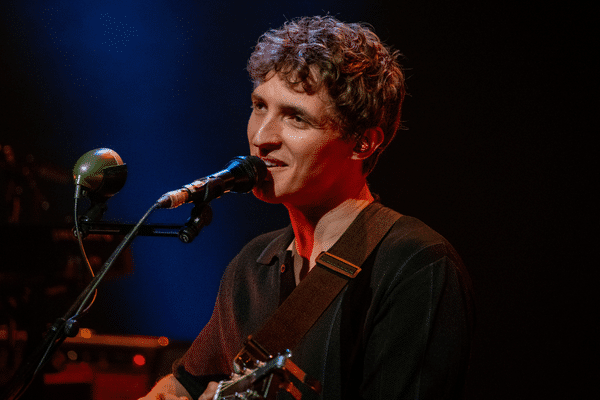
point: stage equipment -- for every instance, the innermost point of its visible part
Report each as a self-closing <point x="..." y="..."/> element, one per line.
<point x="98" y="175"/>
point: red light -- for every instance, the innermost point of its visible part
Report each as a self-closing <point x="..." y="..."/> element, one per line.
<point x="139" y="359"/>
<point x="163" y="341"/>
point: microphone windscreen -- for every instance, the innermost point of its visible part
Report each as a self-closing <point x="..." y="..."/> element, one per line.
<point x="100" y="172"/>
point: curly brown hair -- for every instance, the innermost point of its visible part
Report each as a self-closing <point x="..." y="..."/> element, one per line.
<point x="360" y="73"/>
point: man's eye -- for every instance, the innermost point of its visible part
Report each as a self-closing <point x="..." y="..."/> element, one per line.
<point x="257" y="106"/>
<point x="299" y="121"/>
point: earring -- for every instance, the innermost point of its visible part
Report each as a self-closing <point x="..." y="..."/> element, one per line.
<point x="364" y="146"/>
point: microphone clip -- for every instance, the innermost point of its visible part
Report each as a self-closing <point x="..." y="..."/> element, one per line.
<point x="201" y="216"/>
<point x="93" y="215"/>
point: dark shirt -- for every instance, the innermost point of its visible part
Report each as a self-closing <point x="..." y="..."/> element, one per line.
<point x="400" y="330"/>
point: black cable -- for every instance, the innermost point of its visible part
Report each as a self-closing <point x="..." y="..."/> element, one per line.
<point x="84" y="256"/>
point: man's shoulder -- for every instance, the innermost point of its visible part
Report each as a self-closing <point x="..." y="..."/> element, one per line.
<point x="410" y="237"/>
<point x="409" y="228"/>
<point x="412" y="249"/>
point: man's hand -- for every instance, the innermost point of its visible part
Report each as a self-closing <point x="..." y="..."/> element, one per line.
<point x="210" y="391"/>
<point x="163" y="396"/>
<point x="168" y="388"/>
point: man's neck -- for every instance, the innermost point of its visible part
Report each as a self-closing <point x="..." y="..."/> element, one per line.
<point x="305" y="220"/>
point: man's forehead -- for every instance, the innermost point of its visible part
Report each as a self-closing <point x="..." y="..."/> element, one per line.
<point x="292" y="85"/>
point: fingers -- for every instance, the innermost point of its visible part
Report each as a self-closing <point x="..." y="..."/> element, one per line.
<point x="163" y="396"/>
<point x="210" y="391"/>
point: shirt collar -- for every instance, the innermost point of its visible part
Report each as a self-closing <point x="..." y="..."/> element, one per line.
<point x="277" y="246"/>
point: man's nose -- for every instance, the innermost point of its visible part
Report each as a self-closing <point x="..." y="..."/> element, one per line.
<point x="268" y="134"/>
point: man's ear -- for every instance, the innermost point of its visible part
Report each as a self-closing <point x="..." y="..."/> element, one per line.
<point x="368" y="143"/>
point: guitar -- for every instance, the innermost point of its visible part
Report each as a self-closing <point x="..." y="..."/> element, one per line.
<point x="264" y="382"/>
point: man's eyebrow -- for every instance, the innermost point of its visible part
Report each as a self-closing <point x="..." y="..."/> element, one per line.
<point x="294" y="109"/>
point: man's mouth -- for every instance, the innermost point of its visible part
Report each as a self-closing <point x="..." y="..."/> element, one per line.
<point x="272" y="163"/>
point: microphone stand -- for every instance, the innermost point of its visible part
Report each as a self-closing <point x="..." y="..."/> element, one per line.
<point x="114" y="228"/>
<point x="89" y="223"/>
<point x="201" y="216"/>
<point x="68" y="325"/>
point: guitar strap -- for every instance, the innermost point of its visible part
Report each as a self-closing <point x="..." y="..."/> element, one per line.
<point x="334" y="269"/>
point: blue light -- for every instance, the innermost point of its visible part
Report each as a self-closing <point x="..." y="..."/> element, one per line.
<point x="163" y="84"/>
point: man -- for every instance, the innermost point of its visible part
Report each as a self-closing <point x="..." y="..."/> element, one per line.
<point x="326" y="102"/>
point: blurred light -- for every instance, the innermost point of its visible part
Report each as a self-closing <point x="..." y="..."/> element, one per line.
<point x="163" y="341"/>
<point x="72" y="355"/>
<point x="85" y="333"/>
<point x="139" y="359"/>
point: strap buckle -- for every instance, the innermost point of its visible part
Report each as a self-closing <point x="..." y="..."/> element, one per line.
<point x="337" y="264"/>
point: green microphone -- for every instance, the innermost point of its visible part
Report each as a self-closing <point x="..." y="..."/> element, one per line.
<point x="99" y="174"/>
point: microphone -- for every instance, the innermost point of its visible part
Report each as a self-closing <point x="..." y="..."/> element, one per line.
<point x="100" y="173"/>
<point x="240" y="175"/>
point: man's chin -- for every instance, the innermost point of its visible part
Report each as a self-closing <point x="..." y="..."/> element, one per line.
<point x="265" y="194"/>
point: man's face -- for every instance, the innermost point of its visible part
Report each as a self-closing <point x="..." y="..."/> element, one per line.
<point x="307" y="159"/>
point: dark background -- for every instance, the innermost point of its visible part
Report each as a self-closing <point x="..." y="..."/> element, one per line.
<point x="497" y="157"/>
